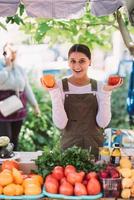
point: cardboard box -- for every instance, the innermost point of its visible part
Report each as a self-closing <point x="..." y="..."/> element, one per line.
<point x="26" y="160"/>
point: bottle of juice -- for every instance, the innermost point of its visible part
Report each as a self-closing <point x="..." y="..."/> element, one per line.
<point x="115" y="154"/>
<point x="104" y="154"/>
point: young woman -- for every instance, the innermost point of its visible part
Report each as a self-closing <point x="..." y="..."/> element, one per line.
<point x="81" y="105"/>
<point x="13" y="80"/>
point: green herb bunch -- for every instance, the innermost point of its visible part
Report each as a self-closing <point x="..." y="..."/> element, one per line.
<point x="82" y="159"/>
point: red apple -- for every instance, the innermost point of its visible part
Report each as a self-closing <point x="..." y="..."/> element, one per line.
<point x="104" y="174"/>
<point x="114" y="173"/>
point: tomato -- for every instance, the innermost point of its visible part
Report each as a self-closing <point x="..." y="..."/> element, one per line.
<point x="63" y="180"/>
<point x="85" y="182"/>
<point x="51" y="184"/>
<point x="58" y="172"/>
<point x="80" y="189"/>
<point x="113" y="80"/>
<point x="9" y="164"/>
<point x="66" y="189"/>
<point x="49" y="177"/>
<point x="91" y="175"/>
<point x="68" y="169"/>
<point x="93" y="187"/>
<point x="75" y="177"/>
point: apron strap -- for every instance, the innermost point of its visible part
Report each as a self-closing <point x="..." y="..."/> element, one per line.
<point x="93" y="85"/>
<point x="65" y="85"/>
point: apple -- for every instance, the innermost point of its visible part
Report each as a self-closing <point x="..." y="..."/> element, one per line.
<point x="114" y="173"/>
<point x="110" y="167"/>
<point x="104" y="174"/>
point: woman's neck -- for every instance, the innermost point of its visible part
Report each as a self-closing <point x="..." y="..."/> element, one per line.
<point x="79" y="81"/>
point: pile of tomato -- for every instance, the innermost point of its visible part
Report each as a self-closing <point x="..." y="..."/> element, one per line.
<point x="68" y="181"/>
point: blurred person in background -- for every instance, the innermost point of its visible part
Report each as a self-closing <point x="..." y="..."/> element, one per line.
<point x="14" y="79"/>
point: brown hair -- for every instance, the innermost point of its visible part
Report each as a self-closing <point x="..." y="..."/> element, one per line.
<point x="80" y="48"/>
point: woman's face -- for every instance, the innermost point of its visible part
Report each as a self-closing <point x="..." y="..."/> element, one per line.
<point x="79" y="63"/>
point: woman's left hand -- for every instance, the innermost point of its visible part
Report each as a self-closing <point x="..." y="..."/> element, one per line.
<point x="109" y="88"/>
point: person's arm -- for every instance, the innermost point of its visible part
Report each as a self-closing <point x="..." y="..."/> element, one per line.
<point x="31" y="98"/>
<point x="3" y="76"/>
<point x="58" y="112"/>
<point x="104" y="107"/>
<point x="29" y="93"/>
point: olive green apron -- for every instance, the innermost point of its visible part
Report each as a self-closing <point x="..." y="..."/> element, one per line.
<point x="81" y="129"/>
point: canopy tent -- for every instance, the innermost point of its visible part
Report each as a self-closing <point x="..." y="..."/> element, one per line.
<point x="59" y="8"/>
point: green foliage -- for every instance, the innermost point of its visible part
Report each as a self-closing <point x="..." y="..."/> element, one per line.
<point x="39" y="131"/>
<point x="89" y="29"/>
<point x="120" y="118"/>
<point x="17" y="18"/>
<point x="82" y="159"/>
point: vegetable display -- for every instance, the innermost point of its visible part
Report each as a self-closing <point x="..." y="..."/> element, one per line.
<point x="74" y="183"/>
<point x="82" y="159"/>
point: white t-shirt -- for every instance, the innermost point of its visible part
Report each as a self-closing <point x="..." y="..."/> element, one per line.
<point x="59" y="115"/>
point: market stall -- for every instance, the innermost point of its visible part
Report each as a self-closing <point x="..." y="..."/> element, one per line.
<point x="109" y="177"/>
<point x="73" y="174"/>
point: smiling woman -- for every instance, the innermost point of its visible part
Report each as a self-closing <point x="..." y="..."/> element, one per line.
<point x="80" y="105"/>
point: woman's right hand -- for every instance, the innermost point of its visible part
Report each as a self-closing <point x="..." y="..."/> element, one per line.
<point x="48" y="82"/>
<point x="50" y="89"/>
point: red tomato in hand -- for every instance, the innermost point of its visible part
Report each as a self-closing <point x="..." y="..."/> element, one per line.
<point x="80" y="189"/>
<point x="9" y="164"/>
<point x="58" y="172"/>
<point x="68" y="169"/>
<point x="66" y="189"/>
<point x="114" y="80"/>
